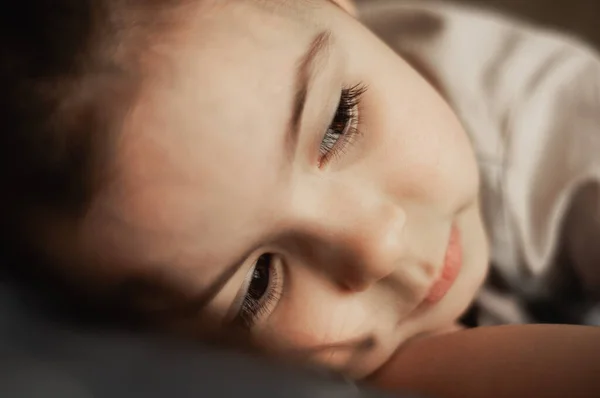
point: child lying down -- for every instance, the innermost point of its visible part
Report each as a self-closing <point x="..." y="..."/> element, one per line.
<point x="282" y="176"/>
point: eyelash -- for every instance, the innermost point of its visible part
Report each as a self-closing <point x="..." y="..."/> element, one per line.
<point x="339" y="135"/>
<point x="254" y="308"/>
<point x="343" y="128"/>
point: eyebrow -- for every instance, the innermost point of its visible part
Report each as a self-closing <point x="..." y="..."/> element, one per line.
<point x="150" y="285"/>
<point x="304" y="72"/>
<point x="303" y="75"/>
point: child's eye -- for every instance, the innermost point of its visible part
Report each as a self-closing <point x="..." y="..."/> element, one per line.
<point x="343" y="127"/>
<point x="262" y="292"/>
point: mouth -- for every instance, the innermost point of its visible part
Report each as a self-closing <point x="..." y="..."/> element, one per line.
<point x="450" y="271"/>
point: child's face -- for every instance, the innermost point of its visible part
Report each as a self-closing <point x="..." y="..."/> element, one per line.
<point x="321" y="239"/>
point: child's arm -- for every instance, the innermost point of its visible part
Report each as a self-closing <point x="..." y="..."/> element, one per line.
<point x="539" y="361"/>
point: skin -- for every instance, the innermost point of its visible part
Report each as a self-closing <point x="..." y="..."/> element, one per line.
<point x="544" y="361"/>
<point x="204" y="179"/>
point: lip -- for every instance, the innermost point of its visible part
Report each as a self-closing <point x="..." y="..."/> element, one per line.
<point x="450" y="271"/>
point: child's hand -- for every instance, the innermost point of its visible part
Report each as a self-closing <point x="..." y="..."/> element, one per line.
<point x="507" y="361"/>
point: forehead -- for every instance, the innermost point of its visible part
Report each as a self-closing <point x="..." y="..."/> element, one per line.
<point x="200" y="161"/>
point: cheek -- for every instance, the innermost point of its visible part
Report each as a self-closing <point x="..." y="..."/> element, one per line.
<point x="313" y="313"/>
<point x="421" y="148"/>
<point x="310" y="320"/>
<point x="311" y="317"/>
<point x="304" y="327"/>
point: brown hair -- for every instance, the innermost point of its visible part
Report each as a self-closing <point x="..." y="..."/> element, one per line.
<point x="69" y="71"/>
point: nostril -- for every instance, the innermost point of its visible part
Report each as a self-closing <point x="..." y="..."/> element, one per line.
<point x="354" y="282"/>
<point x="430" y="270"/>
<point x="361" y="275"/>
<point x="371" y="259"/>
<point x="361" y="247"/>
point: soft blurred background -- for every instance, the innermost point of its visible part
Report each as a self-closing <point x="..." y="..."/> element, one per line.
<point x="579" y="17"/>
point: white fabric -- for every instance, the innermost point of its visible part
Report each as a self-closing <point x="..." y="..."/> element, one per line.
<point x="530" y="101"/>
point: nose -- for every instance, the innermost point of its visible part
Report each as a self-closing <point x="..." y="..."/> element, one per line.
<point x="358" y="242"/>
<point x="372" y="248"/>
